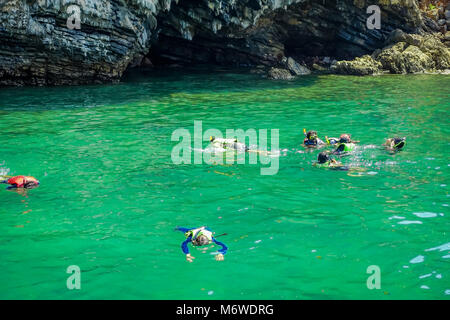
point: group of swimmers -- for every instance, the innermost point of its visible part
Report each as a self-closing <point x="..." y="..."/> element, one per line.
<point x="344" y="145"/>
<point x="203" y="236"/>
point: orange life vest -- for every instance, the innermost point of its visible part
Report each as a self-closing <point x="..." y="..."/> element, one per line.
<point x="20" y="181"/>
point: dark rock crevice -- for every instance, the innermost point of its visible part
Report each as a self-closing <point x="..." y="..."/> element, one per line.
<point x="188" y="33"/>
<point x="37" y="48"/>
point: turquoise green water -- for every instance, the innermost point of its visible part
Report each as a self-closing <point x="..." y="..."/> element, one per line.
<point x="110" y="195"/>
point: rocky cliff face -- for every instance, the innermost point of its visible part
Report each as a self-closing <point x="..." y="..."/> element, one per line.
<point x="38" y="48"/>
<point x="263" y="32"/>
<point x="403" y="53"/>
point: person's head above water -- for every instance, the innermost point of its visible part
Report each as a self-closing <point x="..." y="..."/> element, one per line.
<point x="311" y="135"/>
<point x="398" y="143"/>
<point x="323" y="157"/>
<point x="345" y="138"/>
<point x="200" y="237"/>
<point x="201" y="240"/>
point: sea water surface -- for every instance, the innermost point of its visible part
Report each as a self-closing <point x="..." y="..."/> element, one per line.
<point x="111" y="196"/>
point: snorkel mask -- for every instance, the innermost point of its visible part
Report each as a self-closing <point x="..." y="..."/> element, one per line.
<point x="311" y="135"/>
<point x="399" y="143"/>
<point x="201" y="240"/>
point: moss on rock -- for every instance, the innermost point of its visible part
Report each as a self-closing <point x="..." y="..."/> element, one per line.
<point x="404" y="53"/>
<point x="360" y="66"/>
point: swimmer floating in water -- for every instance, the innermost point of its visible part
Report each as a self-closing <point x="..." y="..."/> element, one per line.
<point x="325" y="161"/>
<point x="345" y="137"/>
<point x="234" y="144"/>
<point x="25" y="182"/>
<point x="311" y="139"/>
<point x="200" y="237"/>
<point x="345" y="145"/>
<point x="395" y="144"/>
<point x="228" y="144"/>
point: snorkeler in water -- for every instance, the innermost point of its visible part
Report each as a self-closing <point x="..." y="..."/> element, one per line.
<point x="345" y="145"/>
<point x="234" y="144"/>
<point x="344" y="138"/>
<point x="311" y="139"/>
<point x="395" y="144"/>
<point x="25" y="182"/>
<point x="200" y="237"/>
<point x="324" y="160"/>
<point x="228" y="144"/>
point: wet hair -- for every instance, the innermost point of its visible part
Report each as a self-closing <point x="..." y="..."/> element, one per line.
<point x="399" y="142"/>
<point x="201" y="240"/>
<point x="344" y="138"/>
<point x="323" y="157"/>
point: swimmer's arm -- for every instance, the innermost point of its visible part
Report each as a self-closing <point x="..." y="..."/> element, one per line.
<point x="222" y="251"/>
<point x="185" y="249"/>
<point x="335" y="163"/>
<point x="224" y="248"/>
<point x="184" y="245"/>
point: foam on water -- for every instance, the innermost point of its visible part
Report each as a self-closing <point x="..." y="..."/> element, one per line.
<point x="410" y="222"/>
<point x="417" y="259"/>
<point x="443" y="247"/>
<point x="425" y="214"/>
<point x="396" y="217"/>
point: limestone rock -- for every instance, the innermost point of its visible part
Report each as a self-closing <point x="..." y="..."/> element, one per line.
<point x="400" y="36"/>
<point x="401" y="58"/>
<point x="319" y="68"/>
<point x="360" y="66"/>
<point x="447" y="36"/>
<point x="297" y="69"/>
<point x="280" y="74"/>
<point x="404" y="53"/>
<point x="38" y="48"/>
<point x="38" y="45"/>
<point x="433" y="14"/>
